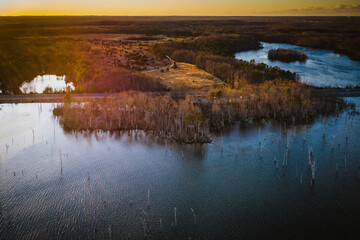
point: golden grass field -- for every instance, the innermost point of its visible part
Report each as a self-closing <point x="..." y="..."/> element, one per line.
<point x="186" y="77"/>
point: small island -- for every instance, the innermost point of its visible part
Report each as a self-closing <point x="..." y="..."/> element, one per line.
<point x="287" y="55"/>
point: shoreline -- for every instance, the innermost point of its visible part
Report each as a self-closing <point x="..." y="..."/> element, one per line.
<point x="55" y="98"/>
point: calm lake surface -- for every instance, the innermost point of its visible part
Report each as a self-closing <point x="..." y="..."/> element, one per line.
<point x="58" y="185"/>
<point x="322" y="68"/>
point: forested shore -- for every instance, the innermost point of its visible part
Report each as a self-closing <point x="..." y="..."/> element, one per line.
<point x="192" y="119"/>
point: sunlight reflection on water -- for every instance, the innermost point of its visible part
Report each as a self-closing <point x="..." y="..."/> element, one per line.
<point x="38" y="85"/>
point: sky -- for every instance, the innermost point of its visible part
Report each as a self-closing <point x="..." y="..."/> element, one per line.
<point x="180" y="7"/>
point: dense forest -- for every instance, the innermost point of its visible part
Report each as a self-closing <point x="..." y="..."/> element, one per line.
<point x="217" y="44"/>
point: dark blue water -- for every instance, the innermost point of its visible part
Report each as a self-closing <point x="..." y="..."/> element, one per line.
<point x="322" y="68"/>
<point x="58" y="185"/>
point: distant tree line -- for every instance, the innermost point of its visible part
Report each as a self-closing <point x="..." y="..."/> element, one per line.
<point x="341" y="34"/>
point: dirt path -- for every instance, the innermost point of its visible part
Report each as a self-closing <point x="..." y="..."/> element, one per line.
<point x="49" y="98"/>
<point x="29" y="98"/>
<point x="54" y="98"/>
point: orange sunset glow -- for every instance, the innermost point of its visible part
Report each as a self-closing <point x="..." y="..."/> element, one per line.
<point x="185" y="7"/>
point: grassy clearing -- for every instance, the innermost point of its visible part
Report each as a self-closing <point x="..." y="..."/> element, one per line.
<point x="186" y="77"/>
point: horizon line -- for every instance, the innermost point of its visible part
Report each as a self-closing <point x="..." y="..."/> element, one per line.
<point x="111" y="15"/>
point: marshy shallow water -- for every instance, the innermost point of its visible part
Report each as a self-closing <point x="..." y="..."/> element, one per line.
<point x="59" y="185"/>
<point x="322" y="68"/>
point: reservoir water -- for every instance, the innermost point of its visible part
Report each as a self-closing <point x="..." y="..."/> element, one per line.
<point x="322" y="68"/>
<point x="60" y="185"/>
